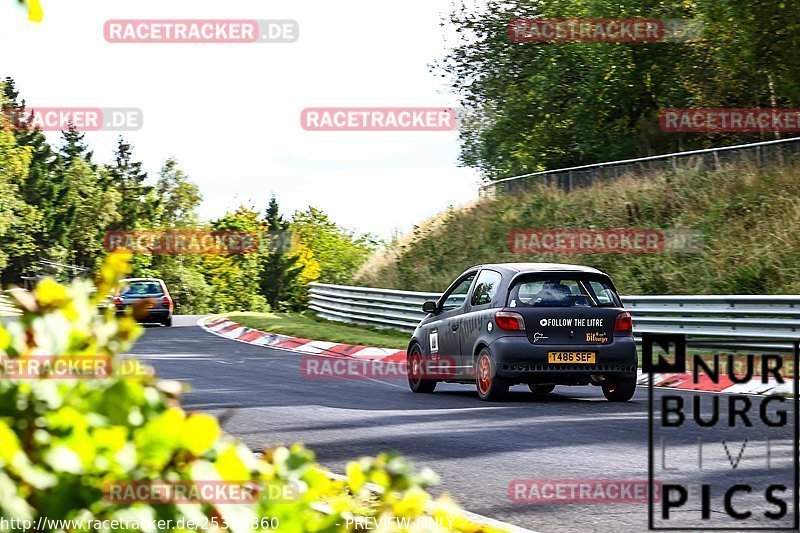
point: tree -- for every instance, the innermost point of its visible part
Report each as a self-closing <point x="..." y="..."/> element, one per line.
<point x="21" y="218"/>
<point x="19" y="221"/>
<point x="337" y="251"/>
<point x="57" y="204"/>
<point x="536" y="106"/>
<point x="279" y="268"/>
<point x="95" y="207"/>
<point x="170" y="205"/>
<point x="44" y="185"/>
<point x="236" y="276"/>
<point x="73" y="145"/>
<point x="176" y="197"/>
<point x="127" y="176"/>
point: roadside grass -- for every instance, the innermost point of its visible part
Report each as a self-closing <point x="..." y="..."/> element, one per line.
<point x="749" y="219"/>
<point x="308" y="326"/>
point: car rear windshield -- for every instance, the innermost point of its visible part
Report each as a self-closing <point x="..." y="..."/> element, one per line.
<point x="562" y="291"/>
<point x="142" y="288"/>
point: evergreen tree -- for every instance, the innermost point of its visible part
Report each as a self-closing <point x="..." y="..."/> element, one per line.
<point x="73" y="145"/>
<point x="127" y="177"/>
<point x="95" y="206"/>
<point x="41" y="188"/>
<point x="20" y="222"/>
<point x="279" y="269"/>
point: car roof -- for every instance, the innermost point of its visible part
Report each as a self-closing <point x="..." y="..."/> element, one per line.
<point x="128" y="280"/>
<point x="515" y="268"/>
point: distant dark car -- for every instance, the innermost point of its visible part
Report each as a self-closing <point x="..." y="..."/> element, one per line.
<point x="149" y="298"/>
<point x="540" y="324"/>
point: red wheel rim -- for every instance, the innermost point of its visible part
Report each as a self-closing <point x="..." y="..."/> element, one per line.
<point x="484" y="374"/>
<point x="413" y="364"/>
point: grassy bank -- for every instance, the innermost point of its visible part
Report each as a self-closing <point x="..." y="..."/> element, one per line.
<point x="309" y="327"/>
<point x="749" y="218"/>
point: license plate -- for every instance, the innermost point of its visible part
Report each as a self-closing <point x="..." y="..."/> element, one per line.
<point x="571" y="357"/>
<point x="150" y="306"/>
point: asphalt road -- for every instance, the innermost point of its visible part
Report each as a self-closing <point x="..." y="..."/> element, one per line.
<point x="477" y="448"/>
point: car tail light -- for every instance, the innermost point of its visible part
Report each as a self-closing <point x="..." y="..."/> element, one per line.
<point x="623" y="325"/>
<point x="509" y="321"/>
<point x="166" y="301"/>
<point x="117" y="301"/>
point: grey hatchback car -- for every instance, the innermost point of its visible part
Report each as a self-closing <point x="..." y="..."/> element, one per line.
<point x="149" y="299"/>
<point x="540" y="324"/>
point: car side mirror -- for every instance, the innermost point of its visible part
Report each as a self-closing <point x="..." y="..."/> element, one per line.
<point x="429" y="307"/>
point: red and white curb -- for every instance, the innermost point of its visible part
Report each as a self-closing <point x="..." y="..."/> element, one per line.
<point x="229" y="329"/>
<point x="685" y="381"/>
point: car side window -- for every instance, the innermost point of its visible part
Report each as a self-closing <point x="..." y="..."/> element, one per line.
<point x="486" y="287"/>
<point x="458" y="295"/>
<point x="603" y="294"/>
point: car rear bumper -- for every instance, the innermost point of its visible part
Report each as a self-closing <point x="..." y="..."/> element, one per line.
<point x="152" y="315"/>
<point x="516" y="358"/>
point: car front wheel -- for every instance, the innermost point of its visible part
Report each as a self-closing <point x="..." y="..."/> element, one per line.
<point x="415" y="371"/>
<point x="491" y="387"/>
<point x="620" y="389"/>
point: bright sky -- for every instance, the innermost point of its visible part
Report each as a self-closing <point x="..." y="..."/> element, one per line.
<point x="230" y="113"/>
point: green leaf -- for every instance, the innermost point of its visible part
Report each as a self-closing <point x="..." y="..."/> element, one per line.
<point x="230" y="466"/>
<point x="199" y="433"/>
<point x="355" y="476"/>
<point x="158" y="440"/>
<point x="9" y="443"/>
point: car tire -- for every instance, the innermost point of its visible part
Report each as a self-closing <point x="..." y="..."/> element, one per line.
<point x="491" y="387"/>
<point x="541" y="390"/>
<point x="413" y="363"/>
<point x="620" y="389"/>
<point x="168" y="322"/>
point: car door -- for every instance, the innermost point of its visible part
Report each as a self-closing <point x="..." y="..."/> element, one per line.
<point x="478" y="313"/>
<point x="443" y="334"/>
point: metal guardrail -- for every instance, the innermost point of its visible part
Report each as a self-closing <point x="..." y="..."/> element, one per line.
<point x="6" y="307"/>
<point x="568" y="179"/>
<point x="375" y="307"/>
<point x="744" y="320"/>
